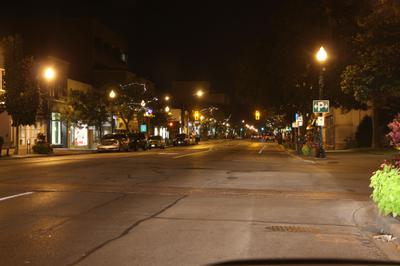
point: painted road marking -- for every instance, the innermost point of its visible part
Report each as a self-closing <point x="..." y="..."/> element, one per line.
<point x="17" y="195"/>
<point x="189" y="154"/>
<point x="168" y="153"/>
<point x="261" y="150"/>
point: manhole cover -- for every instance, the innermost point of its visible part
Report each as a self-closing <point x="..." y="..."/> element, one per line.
<point x="292" y="229"/>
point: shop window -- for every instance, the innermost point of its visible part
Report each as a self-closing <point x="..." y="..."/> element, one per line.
<point x="56" y="128"/>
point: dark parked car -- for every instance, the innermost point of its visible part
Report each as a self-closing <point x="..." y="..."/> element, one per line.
<point x="137" y="141"/>
<point x="183" y="140"/>
<point x="156" y="142"/>
<point x="114" y="142"/>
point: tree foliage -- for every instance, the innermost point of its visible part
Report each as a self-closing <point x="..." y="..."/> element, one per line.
<point x="88" y="107"/>
<point x="22" y="94"/>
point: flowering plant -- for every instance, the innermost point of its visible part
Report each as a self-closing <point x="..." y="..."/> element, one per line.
<point x="394" y="135"/>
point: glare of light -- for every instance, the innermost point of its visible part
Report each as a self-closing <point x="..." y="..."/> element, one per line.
<point x="167" y="109"/>
<point x="167" y="98"/>
<point x="223" y="123"/>
<point x="49" y="73"/>
<point x="143" y="103"/>
<point x="202" y="117"/>
<point x="243" y="121"/>
<point x="200" y="93"/>
<point x="256" y="130"/>
<point x="262" y="129"/>
<point x="321" y="55"/>
<point x="227" y="124"/>
<point x="112" y="94"/>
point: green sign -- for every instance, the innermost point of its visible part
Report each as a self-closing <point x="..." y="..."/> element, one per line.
<point x="321" y="106"/>
<point x="143" y="128"/>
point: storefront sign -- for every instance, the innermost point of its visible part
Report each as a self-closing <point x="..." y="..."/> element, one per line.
<point x="320" y="121"/>
<point x="143" y="128"/>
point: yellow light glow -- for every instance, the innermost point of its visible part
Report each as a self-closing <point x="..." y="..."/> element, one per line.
<point x="112" y="94"/>
<point x="196" y="115"/>
<point x="49" y="73"/>
<point x="257" y="115"/>
<point x="321" y="55"/>
<point x="200" y="93"/>
<point x="202" y="117"/>
<point x="167" y="98"/>
<point x="167" y="109"/>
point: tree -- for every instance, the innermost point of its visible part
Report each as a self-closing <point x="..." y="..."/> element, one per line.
<point x="88" y="108"/>
<point x="374" y="74"/>
<point x="129" y="102"/>
<point x="22" y="94"/>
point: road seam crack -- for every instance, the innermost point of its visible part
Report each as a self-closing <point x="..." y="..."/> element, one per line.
<point x="127" y="230"/>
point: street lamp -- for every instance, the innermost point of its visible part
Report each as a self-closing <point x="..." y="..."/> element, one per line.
<point x="49" y="73"/>
<point x="167" y="109"/>
<point x="112" y="96"/>
<point x="321" y="57"/>
<point x="199" y="93"/>
<point x="166" y="98"/>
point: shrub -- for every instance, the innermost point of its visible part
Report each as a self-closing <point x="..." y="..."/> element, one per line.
<point x="42" y="148"/>
<point x="386" y="189"/>
<point x="306" y="150"/>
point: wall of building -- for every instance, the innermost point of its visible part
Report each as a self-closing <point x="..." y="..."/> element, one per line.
<point x="343" y="126"/>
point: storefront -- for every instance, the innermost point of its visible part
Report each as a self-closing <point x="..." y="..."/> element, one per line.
<point x="58" y="131"/>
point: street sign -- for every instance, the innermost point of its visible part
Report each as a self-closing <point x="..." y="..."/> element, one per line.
<point x="300" y="118"/>
<point x="320" y="121"/>
<point x="321" y="106"/>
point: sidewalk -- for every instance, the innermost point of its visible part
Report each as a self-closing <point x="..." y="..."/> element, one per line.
<point x="56" y="152"/>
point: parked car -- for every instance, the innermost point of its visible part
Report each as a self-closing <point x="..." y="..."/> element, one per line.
<point x="114" y="142"/>
<point x="269" y="137"/>
<point x="137" y="141"/>
<point x="156" y="142"/>
<point x="183" y="140"/>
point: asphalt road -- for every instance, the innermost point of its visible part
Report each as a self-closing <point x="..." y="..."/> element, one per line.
<point x="195" y="205"/>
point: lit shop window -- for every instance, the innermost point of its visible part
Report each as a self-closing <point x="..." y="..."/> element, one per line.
<point x="55" y="128"/>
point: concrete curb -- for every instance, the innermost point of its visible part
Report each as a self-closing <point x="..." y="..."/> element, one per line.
<point x="388" y="224"/>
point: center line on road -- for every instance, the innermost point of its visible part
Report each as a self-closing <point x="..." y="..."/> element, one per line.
<point x="189" y="154"/>
<point x="261" y="150"/>
<point x="17" y="195"/>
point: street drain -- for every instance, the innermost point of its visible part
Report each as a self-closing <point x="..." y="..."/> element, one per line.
<point x="292" y="229"/>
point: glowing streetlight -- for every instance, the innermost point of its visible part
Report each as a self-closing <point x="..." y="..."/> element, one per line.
<point x="112" y="94"/>
<point x="49" y="73"/>
<point x="321" y="55"/>
<point x="201" y="117"/>
<point x="166" y="98"/>
<point x="199" y="93"/>
<point x="167" y="109"/>
<point x="243" y="121"/>
<point x="143" y="103"/>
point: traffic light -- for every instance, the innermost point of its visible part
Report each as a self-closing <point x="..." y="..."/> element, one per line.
<point x="257" y="115"/>
<point x="196" y="115"/>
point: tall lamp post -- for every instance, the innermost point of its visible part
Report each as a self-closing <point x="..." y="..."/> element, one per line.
<point x="321" y="57"/>
<point x="49" y="75"/>
<point x="112" y="96"/>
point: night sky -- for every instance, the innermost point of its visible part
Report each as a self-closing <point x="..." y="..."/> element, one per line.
<point x="203" y="40"/>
